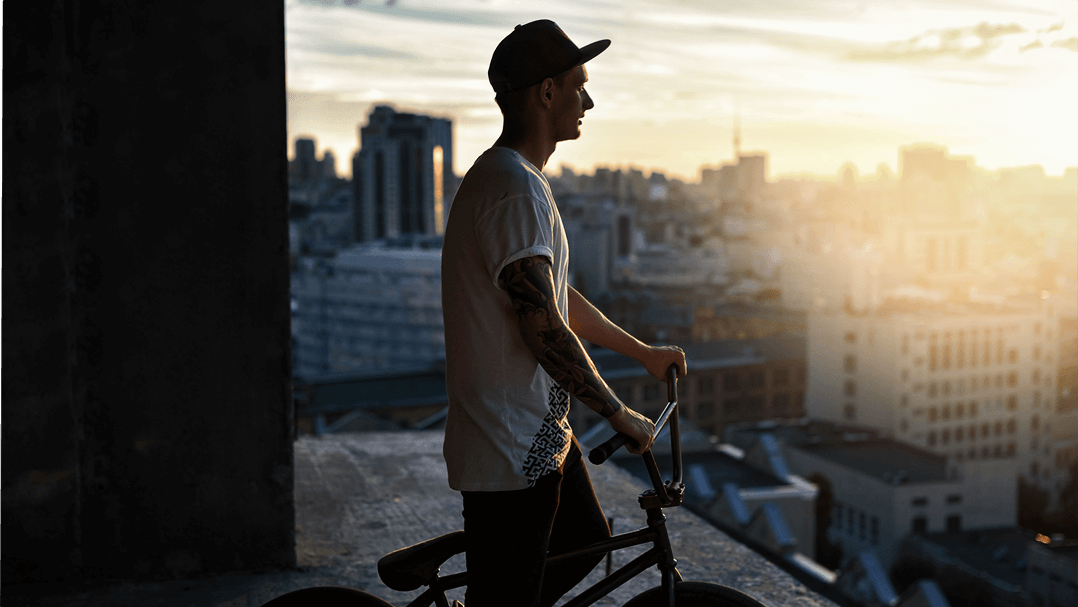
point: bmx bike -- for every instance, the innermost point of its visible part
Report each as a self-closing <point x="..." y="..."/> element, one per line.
<point x="419" y="565"/>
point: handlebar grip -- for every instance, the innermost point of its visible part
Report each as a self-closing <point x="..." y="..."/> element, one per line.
<point x="601" y="453"/>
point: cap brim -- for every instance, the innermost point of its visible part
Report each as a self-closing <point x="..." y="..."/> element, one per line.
<point x="589" y="52"/>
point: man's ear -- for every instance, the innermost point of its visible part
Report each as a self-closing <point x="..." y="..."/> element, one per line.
<point x="546" y="92"/>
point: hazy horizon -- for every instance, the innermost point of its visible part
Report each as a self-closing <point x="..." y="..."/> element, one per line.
<point x="815" y="86"/>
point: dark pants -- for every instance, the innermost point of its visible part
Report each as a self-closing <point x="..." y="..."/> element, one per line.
<point x="508" y="535"/>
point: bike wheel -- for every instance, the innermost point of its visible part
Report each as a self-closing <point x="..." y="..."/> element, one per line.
<point x="327" y="596"/>
<point x="696" y="594"/>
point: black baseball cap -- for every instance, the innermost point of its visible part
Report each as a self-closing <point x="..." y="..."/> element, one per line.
<point x="534" y="52"/>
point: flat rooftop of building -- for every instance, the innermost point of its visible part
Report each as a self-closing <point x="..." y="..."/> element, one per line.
<point x="718" y="467"/>
<point x="1000" y="553"/>
<point x="360" y="496"/>
<point x="718" y="354"/>
<point x="885" y="459"/>
<point x="857" y="447"/>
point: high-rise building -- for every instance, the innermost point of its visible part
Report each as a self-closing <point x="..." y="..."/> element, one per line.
<point x="402" y="175"/>
<point x="969" y="384"/>
<point x="304" y="167"/>
<point x="372" y="307"/>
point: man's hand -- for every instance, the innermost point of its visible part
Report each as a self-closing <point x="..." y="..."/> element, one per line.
<point x="638" y="427"/>
<point x="657" y="359"/>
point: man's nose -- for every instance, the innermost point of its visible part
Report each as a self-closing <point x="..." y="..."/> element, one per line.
<point x="588" y="103"/>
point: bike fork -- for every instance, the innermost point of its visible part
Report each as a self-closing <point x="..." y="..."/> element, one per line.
<point x="667" y="562"/>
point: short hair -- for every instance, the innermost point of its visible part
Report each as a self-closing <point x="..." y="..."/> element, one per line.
<point x="513" y="103"/>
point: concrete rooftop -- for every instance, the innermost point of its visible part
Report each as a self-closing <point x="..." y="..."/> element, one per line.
<point x="359" y="496"/>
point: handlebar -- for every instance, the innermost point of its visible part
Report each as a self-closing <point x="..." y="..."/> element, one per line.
<point x="603" y="452"/>
<point x="669" y="414"/>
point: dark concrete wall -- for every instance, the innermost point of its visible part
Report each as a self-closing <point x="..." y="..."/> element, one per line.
<point x="147" y="416"/>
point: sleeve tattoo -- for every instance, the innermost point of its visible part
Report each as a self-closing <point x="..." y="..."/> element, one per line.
<point x="530" y="283"/>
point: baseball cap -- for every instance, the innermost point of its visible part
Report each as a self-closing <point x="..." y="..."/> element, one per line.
<point x="534" y="52"/>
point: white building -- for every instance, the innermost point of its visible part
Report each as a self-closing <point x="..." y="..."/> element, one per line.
<point x="371" y="307"/>
<point x="968" y="384"/>
<point x="883" y="489"/>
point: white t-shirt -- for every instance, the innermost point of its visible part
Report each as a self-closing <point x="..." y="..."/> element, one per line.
<point x="508" y="420"/>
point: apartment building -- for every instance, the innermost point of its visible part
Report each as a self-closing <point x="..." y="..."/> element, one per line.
<point x="729" y="381"/>
<point x="883" y="489"/>
<point x="370" y="307"/>
<point x="968" y="383"/>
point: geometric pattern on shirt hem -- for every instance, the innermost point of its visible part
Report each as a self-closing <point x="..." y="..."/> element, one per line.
<point x="552" y="438"/>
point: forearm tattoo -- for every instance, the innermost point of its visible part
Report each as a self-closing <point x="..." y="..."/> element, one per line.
<point x="530" y="283"/>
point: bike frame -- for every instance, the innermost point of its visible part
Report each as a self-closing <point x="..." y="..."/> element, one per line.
<point x="661" y="552"/>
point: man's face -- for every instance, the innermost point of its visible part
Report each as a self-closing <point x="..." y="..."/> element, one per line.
<point x="571" y="102"/>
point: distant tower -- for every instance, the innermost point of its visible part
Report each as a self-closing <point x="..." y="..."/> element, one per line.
<point x="401" y="174"/>
<point x="737" y="136"/>
<point x="305" y="165"/>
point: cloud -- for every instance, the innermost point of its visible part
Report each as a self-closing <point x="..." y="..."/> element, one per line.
<point x="1031" y="46"/>
<point x="1071" y="44"/>
<point x="961" y="42"/>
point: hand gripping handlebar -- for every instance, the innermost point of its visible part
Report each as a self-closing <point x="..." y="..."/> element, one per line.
<point x="668" y="494"/>
<point x="603" y="452"/>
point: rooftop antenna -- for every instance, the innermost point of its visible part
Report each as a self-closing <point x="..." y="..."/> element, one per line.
<point x="737" y="135"/>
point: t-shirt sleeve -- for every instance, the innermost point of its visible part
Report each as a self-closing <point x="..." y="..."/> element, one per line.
<point x="516" y="228"/>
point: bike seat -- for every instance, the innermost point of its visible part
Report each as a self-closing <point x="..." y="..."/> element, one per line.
<point x="409" y="568"/>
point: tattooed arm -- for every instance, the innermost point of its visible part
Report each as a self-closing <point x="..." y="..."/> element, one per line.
<point x="530" y="283"/>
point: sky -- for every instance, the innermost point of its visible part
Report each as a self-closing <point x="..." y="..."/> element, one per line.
<point x="815" y="85"/>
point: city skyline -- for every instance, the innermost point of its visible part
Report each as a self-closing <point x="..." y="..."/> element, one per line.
<point x="988" y="80"/>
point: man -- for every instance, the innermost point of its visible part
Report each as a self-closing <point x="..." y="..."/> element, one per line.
<point x="513" y="328"/>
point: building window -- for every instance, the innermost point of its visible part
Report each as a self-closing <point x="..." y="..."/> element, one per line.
<point x="959" y="411"/>
<point x="861" y="526"/>
<point x="933" y="357"/>
<point x="849" y="412"/>
<point x="651" y="393"/>
<point x="1012" y="402"/>
<point x="851" y="337"/>
<point x="973" y="432"/>
<point x="985" y="430"/>
<point x="933" y="389"/>
<point x="838" y="516"/>
<point x="905" y="425"/>
<point x="731" y="409"/>
<point x="945" y="413"/>
<point x="850" y="363"/>
<point x="781" y="377"/>
<point x="1036" y="352"/>
<point x="932" y="438"/>
<point x="999" y="428"/>
<point x="705" y="410"/>
<point x="851" y="388"/>
<point x="905" y="400"/>
<point x="731" y="381"/>
<point x="959" y="434"/>
<point x="973" y="408"/>
<point x="1035" y="422"/>
<point x="919" y="525"/>
<point x="756" y="379"/>
<point x="705" y="385"/>
<point x="905" y="375"/>
<point x="947" y="356"/>
<point x="875" y="537"/>
<point x="1012" y="425"/>
<point x="946" y="436"/>
<point x="780" y="403"/>
<point x="954" y="498"/>
<point x="905" y="344"/>
<point x="624" y="394"/>
<point x="1036" y="376"/>
<point x="919" y="501"/>
<point x="1012" y="355"/>
<point x="932" y="414"/>
<point x="954" y="523"/>
<point x="946" y="388"/>
<point x="1010" y="449"/>
<point x="1012" y="379"/>
<point x="849" y="520"/>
